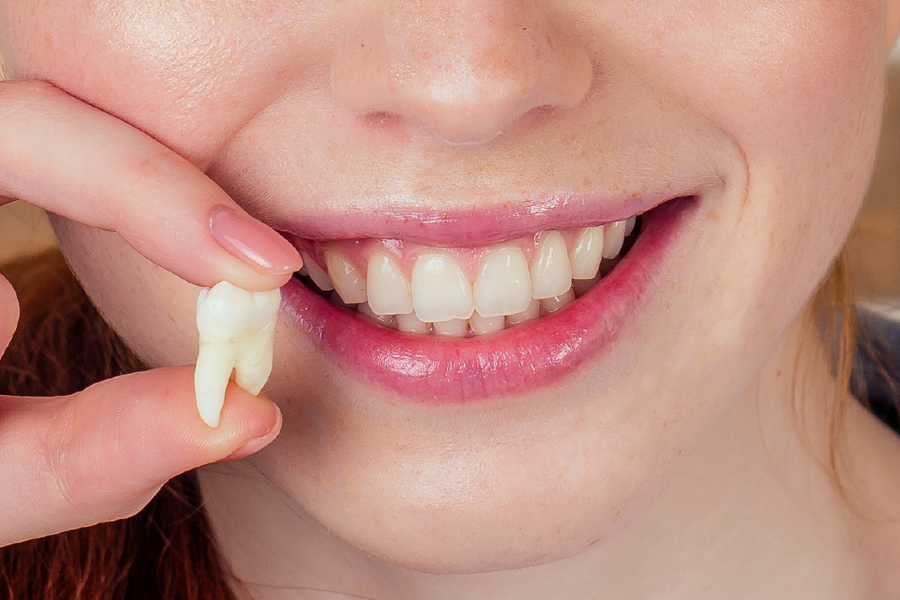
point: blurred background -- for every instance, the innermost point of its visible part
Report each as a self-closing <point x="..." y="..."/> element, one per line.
<point x="873" y="250"/>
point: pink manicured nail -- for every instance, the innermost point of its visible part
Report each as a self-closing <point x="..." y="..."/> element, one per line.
<point x="253" y="242"/>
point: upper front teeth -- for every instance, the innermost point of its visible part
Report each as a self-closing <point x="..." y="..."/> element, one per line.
<point x="236" y="334"/>
<point x="508" y="287"/>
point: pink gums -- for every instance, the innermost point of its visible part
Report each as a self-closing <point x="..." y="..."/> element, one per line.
<point x="435" y="370"/>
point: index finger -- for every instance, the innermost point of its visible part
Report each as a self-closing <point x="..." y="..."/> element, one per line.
<point x="74" y="160"/>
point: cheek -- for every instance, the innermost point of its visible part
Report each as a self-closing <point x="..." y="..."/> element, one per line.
<point x="149" y="307"/>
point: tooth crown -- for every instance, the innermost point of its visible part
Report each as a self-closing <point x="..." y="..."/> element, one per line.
<point x="439" y="291"/>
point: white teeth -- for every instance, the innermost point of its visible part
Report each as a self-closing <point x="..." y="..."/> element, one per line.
<point x="484" y="325"/>
<point x="236" y="334"/>
<point x="587" y="253"/>
<point x="503" y="287"/>
<point x="551" y="273"/>
<point x="348" y="281"/>
<point x="529" y="314"/>
<point x="410" y="323"/>
<point x="451" y="328"/>
<point x="629" y="225"/>
<point x="440" y="290"/>
<point x="614" y="236"/>
<point x="319" y="277"/>
<point x="557" y="303"/>
<point x="389" y="290"/>
<point x="384" y="320"/>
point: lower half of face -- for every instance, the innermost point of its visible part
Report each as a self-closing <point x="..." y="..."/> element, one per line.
<point x="471" y="385"/>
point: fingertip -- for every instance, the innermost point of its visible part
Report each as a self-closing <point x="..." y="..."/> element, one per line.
<point x="9" y="313"/>
<point x="255" y="421"/>
<point x="254" y="243"/>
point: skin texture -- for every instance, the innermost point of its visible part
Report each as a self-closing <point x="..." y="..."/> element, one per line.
<point x="670" y="464"/>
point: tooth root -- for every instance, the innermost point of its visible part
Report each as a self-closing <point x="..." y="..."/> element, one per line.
<point x="215" y="362"/>
<point x="346" y="278"/>
<point x="410" y="323"/>
<point x="383" y="320"/>
<point x="440" y="290"/>
<point x="529" y="314"/>
<point x="614" y="237"/>
<point x="316" y="273"/>
<point x="483" y="325"/>
<point x="629" y="225"/>
<point x="236" y="330"/>
<point x="452" y="328"/>
<point x="586" y="255"/>
<point x="503" y="286"/>
<point x="557" y="303"/>
<point x="388" y="289"/>
<point x="551" y="273"/>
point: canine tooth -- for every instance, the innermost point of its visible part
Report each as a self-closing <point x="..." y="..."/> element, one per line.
<point x="483" y="325"/>
<point x="551" y="273"/>
<point x="614" y="236"/>
<point x="529" y="314"/>
<point x="319" y="277"/>
<point x="629" y="225"/>
<point x="384" y="320"/>
<point x="503" y="286"/>
<point x="389" y="291"/>
<point x="557" y="303"/>
<point x="585" y="256"/>
<point x="236" y="330"/>
<point x="451" y="328"/>
<point x="410" y="323"/>
<point x="347" y="280"/>
<point x="440" y="290"/>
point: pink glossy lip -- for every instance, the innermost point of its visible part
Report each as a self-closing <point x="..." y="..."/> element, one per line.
<point x="435" y="370"/>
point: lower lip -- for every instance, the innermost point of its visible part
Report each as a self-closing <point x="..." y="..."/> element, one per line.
<point x="442" y="371"/>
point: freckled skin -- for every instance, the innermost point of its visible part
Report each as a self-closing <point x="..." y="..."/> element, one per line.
<point x="770" y="109"/>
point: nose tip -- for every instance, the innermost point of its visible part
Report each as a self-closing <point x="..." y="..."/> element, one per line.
<point x="465" y="80"/>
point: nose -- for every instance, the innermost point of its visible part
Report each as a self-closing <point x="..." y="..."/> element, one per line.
<point x="464" y="70"/>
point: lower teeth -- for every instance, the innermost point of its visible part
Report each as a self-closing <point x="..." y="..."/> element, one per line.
<point x="476" y="325"/>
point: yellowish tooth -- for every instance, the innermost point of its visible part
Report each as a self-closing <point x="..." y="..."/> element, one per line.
<point x="348" y="281"/>
<point x="629" y="225"/>
<point x="388" y="289"/>
<point x="613" y="237"/>
<point x="410" y="323"/>
<point x="319" y="277"/>
<point x="384" y="320"/>
<point x="529" y="314"/>
<point x="440" y="290"/>
<point x="557" y="303"/>
<point x="453" y="328"/>
<point x="484" y="325"/>
<point x="503" y="286"/>
<point x="586" y="255"/>
<point x="551" y="273"/>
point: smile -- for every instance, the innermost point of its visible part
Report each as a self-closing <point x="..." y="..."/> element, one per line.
<point x="449" y="325"/>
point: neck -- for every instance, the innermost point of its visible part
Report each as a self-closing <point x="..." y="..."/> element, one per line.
<point x="752" y="509"/>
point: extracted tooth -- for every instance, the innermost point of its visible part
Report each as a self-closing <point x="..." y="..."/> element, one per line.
<point x="614" y="236"/>
<point x="503" y="287"/>
<point x="484" y="325"/>
<point x="587" y="253"/>
<point x="236" y="334"/>
<point x="440" y="290"/>
<point x="529" y="314"/>
<point x="410" y="323"/>
<point x="389" y="291"/>
<point x="557" y="303"/>
<point x="319" y="277"/>
<point x="551" y="273"/>
<point x="629" y="225"/>
<point x="383" y="320"/>
<point x="347" y="280"/>
<point x="452" y="328"/>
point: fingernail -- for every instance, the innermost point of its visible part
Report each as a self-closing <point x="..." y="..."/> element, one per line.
<point x="256" y="444"/>
<point x="253" y="242"/>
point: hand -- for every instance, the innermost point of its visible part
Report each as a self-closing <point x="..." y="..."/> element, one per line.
<point x="102" y="454"/>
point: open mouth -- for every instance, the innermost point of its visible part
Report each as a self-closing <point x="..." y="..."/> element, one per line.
<point x="449" y="325"/>
<point x="464" y="292"/>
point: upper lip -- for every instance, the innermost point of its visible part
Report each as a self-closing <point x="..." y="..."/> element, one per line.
<point x="460" y="227"/>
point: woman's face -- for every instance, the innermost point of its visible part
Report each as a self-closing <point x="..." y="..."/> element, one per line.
<point x="452" y="127"/>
